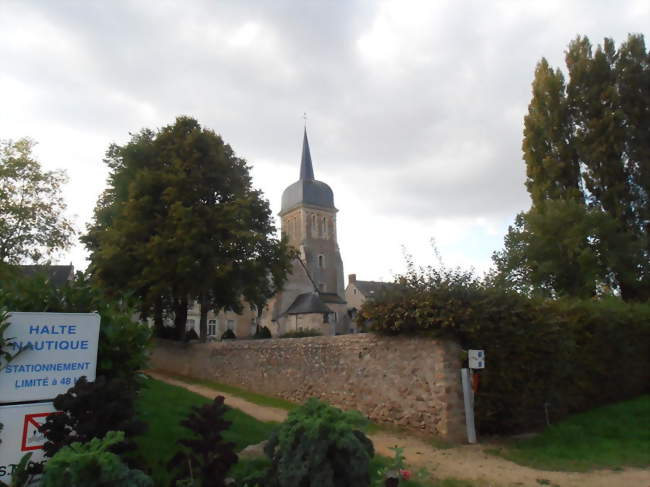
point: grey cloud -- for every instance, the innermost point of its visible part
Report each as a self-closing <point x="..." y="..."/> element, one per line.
<point x="435" y="132"/>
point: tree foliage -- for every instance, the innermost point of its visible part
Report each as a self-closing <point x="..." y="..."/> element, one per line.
<point x="320" y="445"/>
<point x="32" y="221"/>
<point x="180" y="221"/>
<point x="587" y="152"/>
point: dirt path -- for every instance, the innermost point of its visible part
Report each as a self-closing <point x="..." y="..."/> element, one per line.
<point x="463" y="462"/>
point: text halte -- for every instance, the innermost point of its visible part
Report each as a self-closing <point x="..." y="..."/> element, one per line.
<point x="53" y="329"/>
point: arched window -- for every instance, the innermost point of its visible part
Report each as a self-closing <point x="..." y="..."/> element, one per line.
<point x="321" y="261"/>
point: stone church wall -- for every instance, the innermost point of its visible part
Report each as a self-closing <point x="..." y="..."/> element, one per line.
<point x="410" y="382"/>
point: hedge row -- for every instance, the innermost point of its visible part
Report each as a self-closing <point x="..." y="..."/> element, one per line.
<point x="545" y="358"/>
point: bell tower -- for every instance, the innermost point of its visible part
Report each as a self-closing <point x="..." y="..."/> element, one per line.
<point x="308" y="219"/>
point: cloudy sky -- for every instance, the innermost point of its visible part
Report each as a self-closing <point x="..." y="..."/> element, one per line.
<point x="415" y="108"/>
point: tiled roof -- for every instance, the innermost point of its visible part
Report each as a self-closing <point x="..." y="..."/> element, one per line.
<point x="370" y="288"/>
<point x="331" y="298"/>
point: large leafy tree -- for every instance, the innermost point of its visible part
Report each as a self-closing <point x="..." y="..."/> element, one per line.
<point x="587" y="152"/>
<point x="32" y="221"/>
<point x="181" y="222"/>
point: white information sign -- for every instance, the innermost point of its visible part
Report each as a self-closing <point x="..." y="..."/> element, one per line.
<point x="20" y="434"/>
<point x="61" y="348"/>
<point x="476" y="359"/>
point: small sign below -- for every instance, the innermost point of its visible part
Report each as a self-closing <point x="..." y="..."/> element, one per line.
<point x="476" y="359"/>
<point x="20" y="435"/>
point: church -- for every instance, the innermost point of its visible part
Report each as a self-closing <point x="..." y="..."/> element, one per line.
<point x="313" y="298"/>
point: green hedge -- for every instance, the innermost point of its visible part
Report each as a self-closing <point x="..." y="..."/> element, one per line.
<point x="544" y="357"/>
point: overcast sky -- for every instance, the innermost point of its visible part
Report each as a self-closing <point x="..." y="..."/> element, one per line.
<point x="415" y="108"/>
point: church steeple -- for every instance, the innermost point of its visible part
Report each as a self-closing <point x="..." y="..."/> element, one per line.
<point x="306" y="169"/>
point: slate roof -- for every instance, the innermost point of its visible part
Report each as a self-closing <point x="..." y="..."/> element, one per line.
<point x="331" y="298"/>
<point x="370" y="288"/>
<point x="307" y="303"/>
<point x="57" y="275"/>
<point x="307" y="190"/>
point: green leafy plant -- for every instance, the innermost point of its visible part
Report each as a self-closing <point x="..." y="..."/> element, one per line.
<point x="397" y="469"/>
<point x="91" y="464"/>
<point x="320" y="445"/>
<point x="90" y="410"/>
<point x="22" y="475"/>
<point x="207" y="457"/>
<point x="5" y="343"/>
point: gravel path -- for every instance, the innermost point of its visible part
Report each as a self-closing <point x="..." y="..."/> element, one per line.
<point x="463" y="462"/>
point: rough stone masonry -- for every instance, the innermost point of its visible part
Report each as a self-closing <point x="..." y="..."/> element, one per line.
<point x="405" y="381"/>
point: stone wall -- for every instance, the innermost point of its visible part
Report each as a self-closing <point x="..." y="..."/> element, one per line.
<point x="410" y="382"/>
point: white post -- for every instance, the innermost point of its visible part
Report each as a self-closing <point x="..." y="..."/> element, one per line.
<point x="468" y="399"/>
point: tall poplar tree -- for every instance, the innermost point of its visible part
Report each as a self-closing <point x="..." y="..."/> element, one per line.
<point x="586" y="148"/>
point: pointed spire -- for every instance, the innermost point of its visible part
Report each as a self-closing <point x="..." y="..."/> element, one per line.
<point x="306" y="169"/>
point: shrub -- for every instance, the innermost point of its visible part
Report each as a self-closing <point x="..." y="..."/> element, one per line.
<point x="262" y="332"/>
<point x="228" y="335"/>
<point x="302" y="334"/>
<point x="207" y="457"/>
<point x="191" y="335"/>
<point x="545" y="358"/>
<point x="92" y="465"/>
<point x="90" y="410"/>
<point x="320" y="445"/>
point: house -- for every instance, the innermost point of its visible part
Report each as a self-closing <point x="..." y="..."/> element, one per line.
<point x="56" y="275"/>
<point x="358" y="292"/>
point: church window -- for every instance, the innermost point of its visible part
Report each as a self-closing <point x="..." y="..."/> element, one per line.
<point x="354" y="291"/>
<point x="321" y="261"/>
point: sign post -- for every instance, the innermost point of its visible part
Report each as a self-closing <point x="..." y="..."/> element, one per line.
<point x="59" y="348"/>
<point x="476" y="360"/>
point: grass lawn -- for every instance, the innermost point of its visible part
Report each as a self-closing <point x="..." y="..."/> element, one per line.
<point x="163" y="406"/>
<point x="260" y="399"/>
<point x="613" y="436"/>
